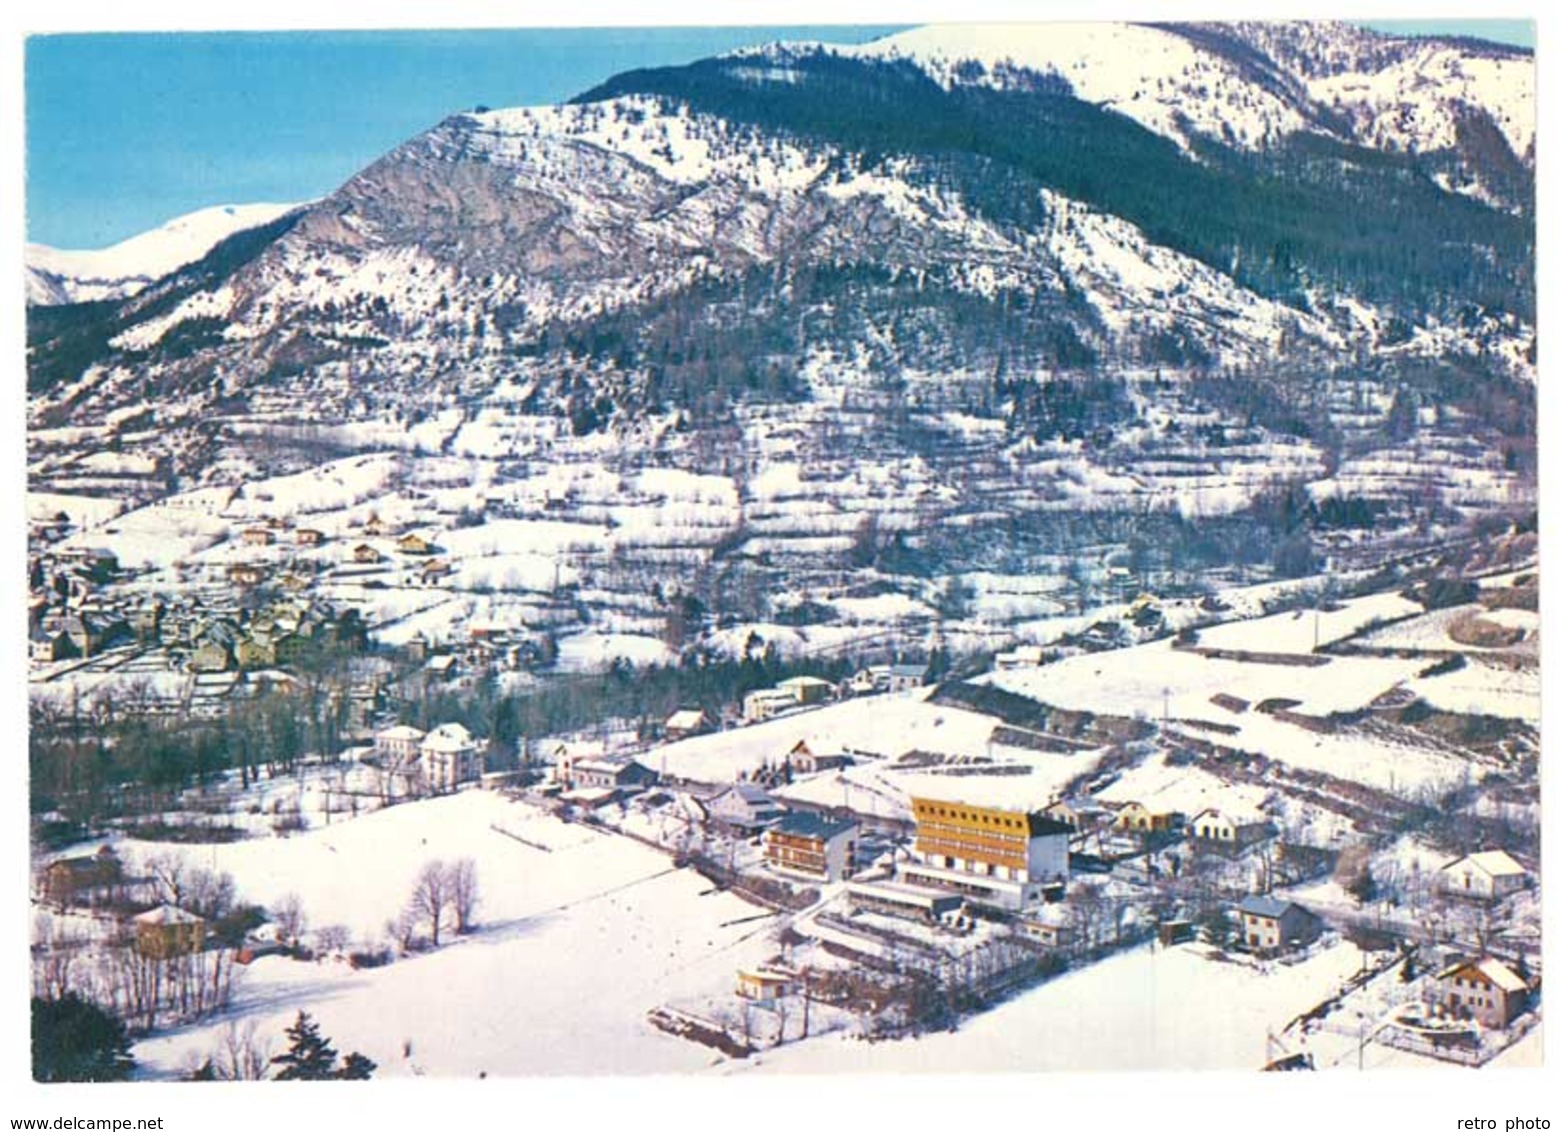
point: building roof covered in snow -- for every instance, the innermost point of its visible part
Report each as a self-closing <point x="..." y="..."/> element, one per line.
<point x="1493" y="969"/>
<point x="1492" y="862"/>
<point x="448" y="737"/>
<point x="167" y="914"/>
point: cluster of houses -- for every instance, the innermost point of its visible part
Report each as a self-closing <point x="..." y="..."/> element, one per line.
<point x="489" y="646"/>
<point x="808" y="691"/>
<point x="75" y="611"/>
<point x="1232" y="829"/>
<point x="71" y="610"/>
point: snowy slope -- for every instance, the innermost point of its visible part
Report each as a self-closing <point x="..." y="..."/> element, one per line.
<point x="56" y="276"/>
<point x="580" y="933"/>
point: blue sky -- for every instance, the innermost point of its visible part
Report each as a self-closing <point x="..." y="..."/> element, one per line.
<point x="126" y="131"/>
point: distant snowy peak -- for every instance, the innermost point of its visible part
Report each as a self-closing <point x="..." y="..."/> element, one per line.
<point x="1406" y="92"/>
<point x="1247" y="84"/>
<point x="55" y="276"/>
<point x="1160" y="79"/>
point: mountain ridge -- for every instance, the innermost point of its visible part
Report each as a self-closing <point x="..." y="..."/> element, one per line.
<point x="1030" y="306"/>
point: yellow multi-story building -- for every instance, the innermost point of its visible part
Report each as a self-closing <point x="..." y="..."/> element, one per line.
<point x="992" y="855"/>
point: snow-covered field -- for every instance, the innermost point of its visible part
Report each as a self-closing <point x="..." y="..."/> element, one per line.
<point x="1399" y="768"/>
<point x="581" y="933"/>
<point x="1484" y="689"/>
<point x="1183" y="789"/>
<point x="1301" y="631"/>
<point x="885" y="725"/>
<point x="1430" y="630"/>
<point x="1150" y="1008"/>
<point x="1155" y="678"/>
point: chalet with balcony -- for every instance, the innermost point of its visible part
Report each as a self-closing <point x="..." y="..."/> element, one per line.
<point x="744" y="809"/>
<point x="1484" y="990"/>
<point x="810" y="847"/>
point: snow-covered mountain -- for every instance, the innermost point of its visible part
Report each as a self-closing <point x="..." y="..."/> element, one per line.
<point x="915" y="304"/>
<point x="55" y="276"/>
<point x="1253" y="84"/>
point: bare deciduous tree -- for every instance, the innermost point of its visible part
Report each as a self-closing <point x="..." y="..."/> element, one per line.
<point x="208" y="894"/>
<point x="333" y="938"/>
<point x="242" y="1053"/>
<point x="430" y="898"/>
<point x="170" y="874"/>
<point x="291" y="921"/>
<point x="401" y="930"/>
<point x="462" y="880"/>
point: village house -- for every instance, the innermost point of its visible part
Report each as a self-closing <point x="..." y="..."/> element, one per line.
<point x="252" y="653"/>
<point x="1135" y="817"/>
<point x="435" y="571"/>
<point x="619" y="775"/>
<point x="1270" y="925"/>
<point x="1025" y="656"/>
<point x="99" y="562"/>
<point x="804" y="761"/>
<point x="46" y="647"/>
<point x="83" y="880"/>
<point x="246" y="573"/>
<point x="1485" y="990"/>
<point x="414" y="544"/>
<point x="686" y="722"/>
<point x="398" y="746"/>
<point x="146" y="621"/>
<point x="566" y="756"/>
<point x="886" y="678"/>
<point x="1081" y="814"/>
<point x="766" y="703"/>
<point x="810" y="847"/>
<point x="1051" y="926"/>
<point x="375" y="527"/>
<point x="1230" y="829"/>
<point x="447" y="757"/>
<point x="995" y="856"/>
<point x="166" y="931"/>
<point x="445" y="667"/>
<point x="1490" y="875"/>
<point x="308" y="536"/>
<point x="807" y="690"/>
<point x="365" y="700"/>
<point x="764" y="984"/>
<point x="743" y="809"/>
<point x="211" y="655"/>
<point x="258" y="536"/>
<point x="365" y="555"/>
<point x="85" y="634"/>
